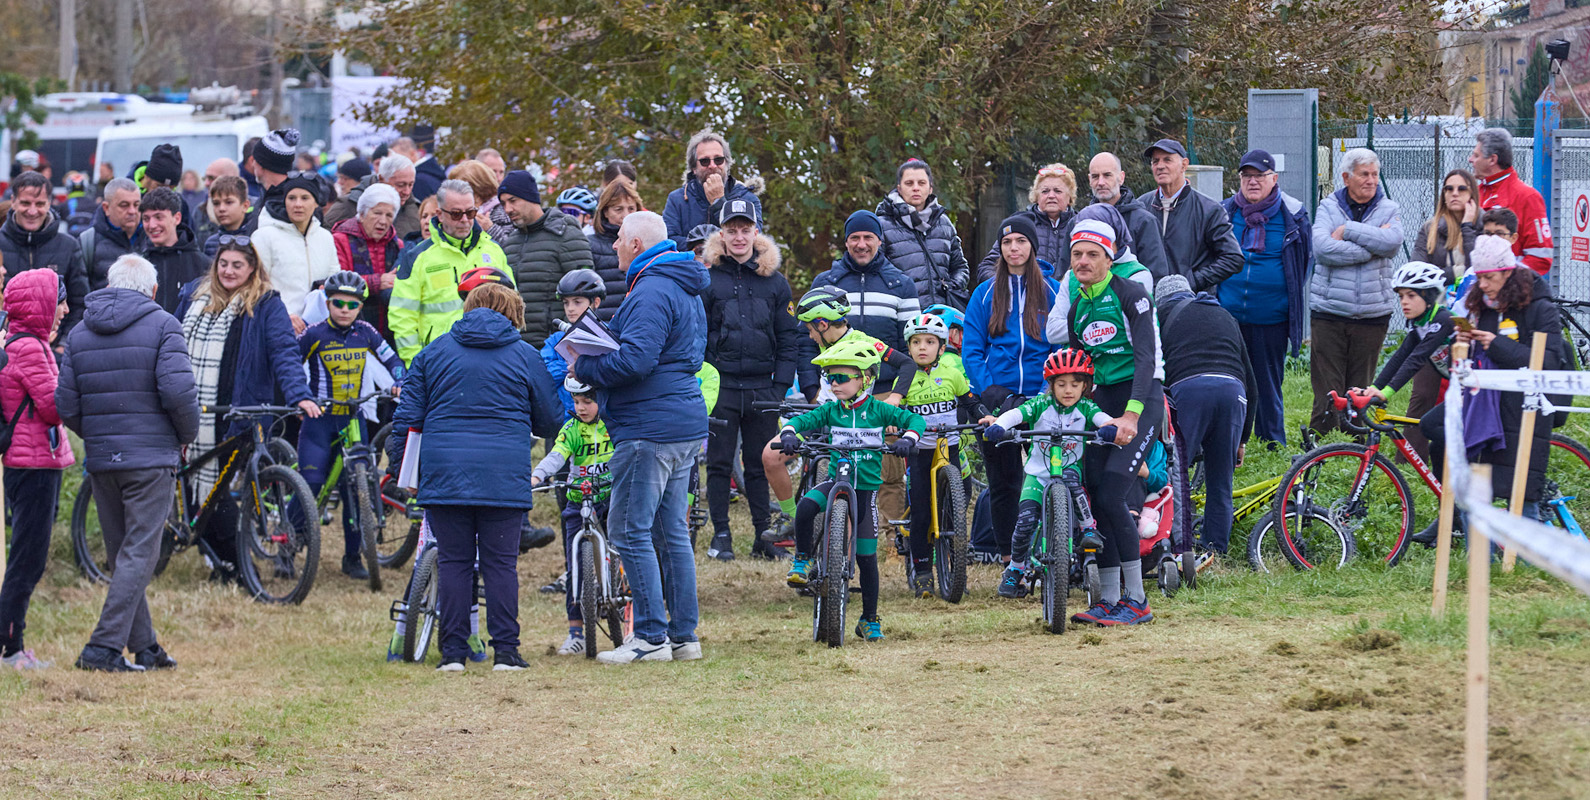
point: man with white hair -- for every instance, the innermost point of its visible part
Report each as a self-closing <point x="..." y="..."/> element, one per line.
<point x="396" y="171"/>
<point x="424" y="303"/>
<point x="1500" y="187"/>
<point x="651" y="402"/>
<point x="127" y="388"/>
<point x="1356" y="234"/>
<point x="707" y="184"/>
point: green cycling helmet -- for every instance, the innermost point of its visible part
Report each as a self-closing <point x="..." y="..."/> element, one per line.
<point x="823" y="302"/>
<point x="859" y="353"/>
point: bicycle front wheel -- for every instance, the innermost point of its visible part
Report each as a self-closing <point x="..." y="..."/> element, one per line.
<point x="278" y="545"/>
<point x="590" y="592"/>
<point x="952" y="548"/>
<point x="88" y="541"/>
<point x="370" y="518"/>
<point x="1055" y="560"/>
<point x="1364" y="499"/>
<point x="1564" y="499"/>
<point x="835" y="592"/>
<point x="423" y="606"/>
<point x="1266" y="552"/>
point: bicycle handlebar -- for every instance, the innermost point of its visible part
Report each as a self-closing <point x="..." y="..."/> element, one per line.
<point x="1020" y="436"/>
<point x="941" y="429"/>
<point x="781" y="405"/>
<point x="829" y="447"/>
<point x="1354" y="410"/>
<point x="251" y="411"/>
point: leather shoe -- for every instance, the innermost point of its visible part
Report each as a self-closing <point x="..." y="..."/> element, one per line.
<point x="154" y="657"/>
<point x="104" y="659"/>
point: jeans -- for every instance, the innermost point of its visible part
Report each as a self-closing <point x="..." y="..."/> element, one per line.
<point x="462" y="532"/>
<point x="646" y="520"/>
<point x="1267" y="350"/>
<point x="33" y="495"/>
<point x="133" y="507"/>
<point x="1209" y="413"/>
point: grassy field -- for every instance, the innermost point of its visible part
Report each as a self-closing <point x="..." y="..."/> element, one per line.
<point x="1307" y="685"/>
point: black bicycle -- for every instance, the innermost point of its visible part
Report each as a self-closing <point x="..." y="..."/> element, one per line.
<point x="278" y="531"/>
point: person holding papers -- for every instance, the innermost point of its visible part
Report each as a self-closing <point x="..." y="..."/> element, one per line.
<point x="579" y="291"/>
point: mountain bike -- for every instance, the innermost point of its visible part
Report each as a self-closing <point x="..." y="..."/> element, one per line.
<point x="1368" y="502"/>
<point x="360" y="488"/>
<point x="834" y="559"/>
<point x="947" y="522"/>
<point x="278" y="535"/>
<point x="597" y="575"/>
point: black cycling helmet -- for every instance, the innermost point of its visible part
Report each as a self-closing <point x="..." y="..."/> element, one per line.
<point x="346" y="282"/>
<point x="582" y="283"/>
<point x="823" y="302"/>
<point x="699" y="235"/>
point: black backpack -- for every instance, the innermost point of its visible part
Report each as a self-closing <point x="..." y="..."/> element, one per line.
<point x="9" y="427"/>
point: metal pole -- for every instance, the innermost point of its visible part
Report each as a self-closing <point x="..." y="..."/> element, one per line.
<point x="1313" y="158"/>
<point x="122" y="73"/>
<point x="1192" y="149"/>
<point x="67" y="68"/>
<point x="1370" y="130"/>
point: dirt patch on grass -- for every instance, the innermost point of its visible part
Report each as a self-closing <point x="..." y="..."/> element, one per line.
<point x="1371" y="640"/>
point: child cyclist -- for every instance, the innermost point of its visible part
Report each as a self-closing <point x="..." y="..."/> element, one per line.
<point x="579" y="291"/>
<point x="957" y="322"/>
<point x="824" y="311"/>
<point x="1064" y="407"/>
<point x="584" y="446"/>
<point x="938" y="394"/>
<point x="1420" y="289"/>
<point x="850" y="370"/>
<point x="338" y="354"/>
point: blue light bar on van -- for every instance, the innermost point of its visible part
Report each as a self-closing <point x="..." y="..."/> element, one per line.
<point x="113" y="99"/>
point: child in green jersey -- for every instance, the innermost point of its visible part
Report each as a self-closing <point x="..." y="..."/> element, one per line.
<point x="854" y="417"/>
<point x="941" y="395"/>
<point x="583" y="445"/>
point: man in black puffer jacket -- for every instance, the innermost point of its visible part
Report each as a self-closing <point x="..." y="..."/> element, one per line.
<point x="752" y="340"/>
<point x="170" y="245"/>
<point x="541" y="247"/>
<point x="920" y="238"/>
<point x="34" y="238"/>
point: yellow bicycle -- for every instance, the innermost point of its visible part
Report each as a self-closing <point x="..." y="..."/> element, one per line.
<point x="952" y="547"/>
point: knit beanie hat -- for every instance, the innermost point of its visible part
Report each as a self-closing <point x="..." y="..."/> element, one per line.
<point x="521" y="184"/>
<point x="863" y="221"/>
<point x="275" y="152"/>
<point x="1020" y="224"/>
<point x="165" y="165"/>
<point x="1492" y="254"/>
<point x="1095" y="231"/>
<point x="354" y="168"/>
<point x="1168" y="287"/>
<point x="307" y="181"/>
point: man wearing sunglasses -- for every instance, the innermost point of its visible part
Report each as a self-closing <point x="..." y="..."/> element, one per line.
<point x="425" y="302"/>
<point x="707" y="184"/>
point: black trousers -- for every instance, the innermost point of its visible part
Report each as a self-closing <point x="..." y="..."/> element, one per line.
<point x="752" y="429"/>
<point x="921" y="483"/>
<point x="464" y="533"/>
<point x="34" y="496"/>
<point x="1005" y="477"/>
<point x="1111" y="473"/>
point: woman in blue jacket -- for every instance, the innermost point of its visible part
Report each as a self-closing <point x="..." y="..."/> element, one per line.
<point x="1003" y="350"/>
<point x="481" y="396"/>
<point x="240" y="340"/>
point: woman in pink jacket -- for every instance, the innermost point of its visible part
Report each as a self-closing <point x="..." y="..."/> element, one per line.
<point x="35" y="303"/>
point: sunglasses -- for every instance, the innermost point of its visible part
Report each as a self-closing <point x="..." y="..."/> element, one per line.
<point x="715" y="161"/>
<point x="239" y="239"/>
<point x="460" y="216"/>
<point x="346" y="305"/>
<point x="841" y="378"/>
<point x="1051" y="172"/>
<point x="1455" y="188"/>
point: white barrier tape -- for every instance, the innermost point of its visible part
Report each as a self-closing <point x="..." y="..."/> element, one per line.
<point x="1523" y="380"/>
<point x="1552" y="549"/>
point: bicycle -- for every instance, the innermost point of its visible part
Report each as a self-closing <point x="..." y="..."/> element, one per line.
<point x="597" y="575"/>
<point x="1066" y="509"/>
<point x="834" y="559"/>
<point x="1375" y="517"/>
<point x="278" y="538"/>
<point x="364" y="486"/>
<point x="948" y="531"/>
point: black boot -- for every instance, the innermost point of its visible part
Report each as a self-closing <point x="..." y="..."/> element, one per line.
<point x="1427" y="536"/>
<point x="104" y="659"/>
<point x="353" y="567"/>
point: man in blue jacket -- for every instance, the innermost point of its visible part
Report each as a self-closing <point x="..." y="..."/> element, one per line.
<point x="882" y="298"/>
<point x="707" y="184"/>
<point x="651" y="402"/>
<point x="1266" y="295"/>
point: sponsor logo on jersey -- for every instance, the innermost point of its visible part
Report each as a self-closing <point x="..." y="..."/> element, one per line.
<point x="1142" y="305"/>
<point x="1098" y="332"/>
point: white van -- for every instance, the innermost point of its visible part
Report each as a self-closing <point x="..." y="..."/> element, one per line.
<point x="202" y="140"/>
<point x="70" y="131"/>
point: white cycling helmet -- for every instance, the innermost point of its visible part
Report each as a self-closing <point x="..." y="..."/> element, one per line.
<point x="926" y="323"/>
<point x="573" y="386"/>
<point x="1418" y="276"/>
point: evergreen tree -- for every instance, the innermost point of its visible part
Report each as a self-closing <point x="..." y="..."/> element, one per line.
<point x="1536" y="75"/>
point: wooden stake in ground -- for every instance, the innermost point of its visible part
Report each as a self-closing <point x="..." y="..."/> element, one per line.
<point x="1443" y="530"/>
<point x="1476" y="724"/>
<point x="1526" y="439"/>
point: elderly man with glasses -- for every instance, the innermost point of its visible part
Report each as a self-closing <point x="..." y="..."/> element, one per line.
<point x="1266" y="295"/>
<point x="707" y="184"/>
<point x="425" y="302"/>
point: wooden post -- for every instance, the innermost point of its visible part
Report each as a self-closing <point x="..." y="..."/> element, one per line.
<point x="1526" y="440"/>
<point x="1477" y="723"/>
<point x="1443" y="536"/>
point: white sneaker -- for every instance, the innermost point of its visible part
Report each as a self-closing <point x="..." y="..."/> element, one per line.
<point x="572" y="646"/>
<point x="636" y="650"/>
<point x="686" y="651"/>
<point x="451" y="666"/>
<point x="25" y="660"/>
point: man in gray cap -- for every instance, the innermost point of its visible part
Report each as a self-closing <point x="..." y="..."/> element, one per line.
<point x="1195" y="230"/>
<point x="1209" y="381"/>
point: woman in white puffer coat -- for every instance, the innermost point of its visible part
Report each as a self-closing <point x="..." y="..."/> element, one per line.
<point x="295" y="251"/>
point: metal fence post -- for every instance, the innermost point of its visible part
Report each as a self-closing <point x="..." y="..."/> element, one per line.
<point x="1313" y="159"/>
<point x="1370" y="128"/>
<point x="1192" y="149"/>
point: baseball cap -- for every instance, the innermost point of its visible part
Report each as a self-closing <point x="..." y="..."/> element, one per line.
<point x="737" y="209"/>
<point x="1259" y="160"/>
<point x="1168" y="145"/>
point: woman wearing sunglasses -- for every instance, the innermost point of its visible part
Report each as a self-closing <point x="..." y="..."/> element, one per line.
<point x="244" y="352"/>
<point x="294" y="250"/>
<point x="707" y="184"/>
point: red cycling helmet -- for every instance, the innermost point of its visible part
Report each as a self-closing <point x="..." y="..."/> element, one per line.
<point x="1065" y="361"/>
<point x="481" y="275"/>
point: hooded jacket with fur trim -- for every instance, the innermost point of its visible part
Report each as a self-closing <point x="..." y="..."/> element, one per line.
<point x="751" y="337"/>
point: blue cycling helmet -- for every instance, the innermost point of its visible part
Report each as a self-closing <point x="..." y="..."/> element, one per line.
<point x="579" y="197"/>
<point x="951" y="317"/>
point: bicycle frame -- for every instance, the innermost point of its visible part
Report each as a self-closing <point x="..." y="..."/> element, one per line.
<point x="591" y="530"/>
<point x="250" y="450"/>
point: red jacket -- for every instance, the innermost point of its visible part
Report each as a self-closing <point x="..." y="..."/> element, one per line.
<point x="1533" y="244"/>
<point x="30" y="300"/>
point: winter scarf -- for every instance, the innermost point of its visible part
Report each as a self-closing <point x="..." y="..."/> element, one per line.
<point x="207" y="334"/>
<point x="921" y="221"/>
<point x="1255" y="216"/>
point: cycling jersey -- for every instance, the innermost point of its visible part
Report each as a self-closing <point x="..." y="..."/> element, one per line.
<point x="1042" y="413"/>
<point x="1429" y="341"/>
<point x="1114" y="322"/>
<point x="338" y="363"/>
<point x="586" y="448"/>
<point x="861" y="425"/>
<point x="936" y="397"/>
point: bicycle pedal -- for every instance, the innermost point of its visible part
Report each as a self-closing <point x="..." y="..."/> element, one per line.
<point x="398" y="612"/>
<point x="855" y="589"/>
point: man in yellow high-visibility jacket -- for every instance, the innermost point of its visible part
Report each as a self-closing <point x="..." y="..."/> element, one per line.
<point x="424" y="302"/>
